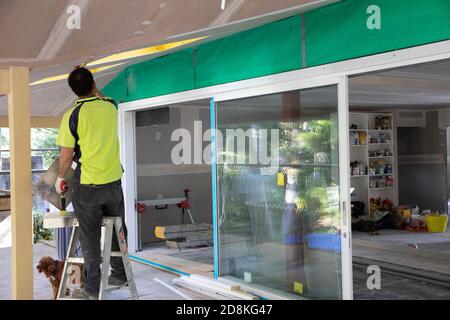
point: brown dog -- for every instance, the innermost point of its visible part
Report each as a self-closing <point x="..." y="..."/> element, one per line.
<point x="53" y="270"/>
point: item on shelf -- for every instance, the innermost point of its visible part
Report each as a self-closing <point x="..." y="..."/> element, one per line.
<point x="355" y="169"/>
<point x="380" y="167"/>
<point x="373" y="154"/>
<point x="358" y="168"/>
<point x="384" y="138"/>
<point x="389" y="181"/>
<point x="388" y="169"/>
<point x="363" y="168"/>
<point x="353" y="127"/>
<point x="362" y="137"/>
<point x="373" y="140"/>
<point x="383" y="122"/>
<point x="381" y="182"/>
<point x="354" y="138"/>
<point x="372" y="169"/>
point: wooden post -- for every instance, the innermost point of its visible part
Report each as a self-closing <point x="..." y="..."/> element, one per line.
<point x="21" y="197"/>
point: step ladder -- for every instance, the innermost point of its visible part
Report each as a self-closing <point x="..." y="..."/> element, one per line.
<point x="112" y="227"/>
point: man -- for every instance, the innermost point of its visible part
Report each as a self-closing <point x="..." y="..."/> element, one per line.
<point x="88" y="137"/>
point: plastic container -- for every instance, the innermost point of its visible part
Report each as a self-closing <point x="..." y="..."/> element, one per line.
<point x="436" y="224"/>
<point x="324" y="241"/>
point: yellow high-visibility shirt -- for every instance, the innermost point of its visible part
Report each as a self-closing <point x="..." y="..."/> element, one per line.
<point x="90" y="127"/>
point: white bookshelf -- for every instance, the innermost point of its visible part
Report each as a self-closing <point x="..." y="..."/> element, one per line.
<point x="373" y="148"/>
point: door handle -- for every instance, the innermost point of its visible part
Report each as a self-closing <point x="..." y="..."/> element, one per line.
<point x="344" y="213"/>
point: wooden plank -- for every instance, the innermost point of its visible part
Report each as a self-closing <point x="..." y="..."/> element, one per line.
<point x="193" y="288"/>
<point x="21" y="193"/>
<point x="238" y="294"/>
<point x="189" y="243"/>
<point x="227" y="286"/>
<point x="183" y="231"/>
<point x="184" y="265"/>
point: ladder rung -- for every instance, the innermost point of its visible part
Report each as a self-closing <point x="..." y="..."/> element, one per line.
<point x="75" y="260"/>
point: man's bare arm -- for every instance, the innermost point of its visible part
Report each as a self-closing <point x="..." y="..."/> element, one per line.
<point x="65" y="161"/>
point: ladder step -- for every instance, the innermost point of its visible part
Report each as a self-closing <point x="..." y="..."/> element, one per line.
<point x="75" y="260"/>
<point x="81" y="260"/>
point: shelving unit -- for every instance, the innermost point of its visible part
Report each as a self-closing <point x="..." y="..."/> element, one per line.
<point x="372" y="148"/>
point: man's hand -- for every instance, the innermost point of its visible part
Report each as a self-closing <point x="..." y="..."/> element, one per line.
<point x="61" y="185"/>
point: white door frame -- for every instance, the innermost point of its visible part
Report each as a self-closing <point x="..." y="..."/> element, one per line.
<point x="293" y="80"/>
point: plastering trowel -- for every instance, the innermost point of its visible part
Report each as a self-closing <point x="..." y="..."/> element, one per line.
<point x="46" y="187"/>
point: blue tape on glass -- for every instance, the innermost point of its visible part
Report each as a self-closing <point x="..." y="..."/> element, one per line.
<point x="214" y="186"/>
<point x="160" y="266"/>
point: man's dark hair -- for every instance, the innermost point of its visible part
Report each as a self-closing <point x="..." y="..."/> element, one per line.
<point x="81" y="81"/>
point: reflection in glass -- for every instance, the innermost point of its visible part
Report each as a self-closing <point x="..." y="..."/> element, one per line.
<point x="280" y="228"/>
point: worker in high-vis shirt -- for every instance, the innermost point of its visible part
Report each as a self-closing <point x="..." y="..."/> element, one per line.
<point x="88" y="137"/>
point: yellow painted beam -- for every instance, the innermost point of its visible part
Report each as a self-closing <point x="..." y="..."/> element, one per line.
<point x="36" y="122"/>
<point x="4" y="82"/>
<point x="21" y="197"/>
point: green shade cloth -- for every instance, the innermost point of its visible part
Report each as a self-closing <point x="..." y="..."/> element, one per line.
<point x="333" y="33"/>
<point x="265" y="50"/>
<point x="339" y="32"/>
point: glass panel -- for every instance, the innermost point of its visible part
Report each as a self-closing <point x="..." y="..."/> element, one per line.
<point x="278" y="192"/>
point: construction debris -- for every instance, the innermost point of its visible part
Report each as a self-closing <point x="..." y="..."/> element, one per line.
<point x="214" y="288"/>
<point x="186" y="235"/>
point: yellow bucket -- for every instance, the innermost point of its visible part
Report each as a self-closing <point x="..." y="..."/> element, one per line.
<point x="436" y="224"/>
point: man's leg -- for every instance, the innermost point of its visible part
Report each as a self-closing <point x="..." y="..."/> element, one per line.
<point x="114" y="206"/>
<point x="89" y="214"/>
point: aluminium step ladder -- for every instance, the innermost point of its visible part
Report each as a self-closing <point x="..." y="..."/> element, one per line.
<point x="112" y="227"/>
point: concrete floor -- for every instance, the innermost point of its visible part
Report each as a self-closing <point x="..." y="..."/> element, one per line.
<point x="403" y="238"/>
<point x="147" y="288"/>
<point x="425" y="251"/>
<point x="395" y="287"/>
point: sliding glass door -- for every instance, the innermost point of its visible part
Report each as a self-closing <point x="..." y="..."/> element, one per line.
<point x="280" y="196"/>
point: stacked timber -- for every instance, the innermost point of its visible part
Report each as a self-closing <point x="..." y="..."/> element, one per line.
<point x="218" y="289"/>
<point x="186" y="235"/>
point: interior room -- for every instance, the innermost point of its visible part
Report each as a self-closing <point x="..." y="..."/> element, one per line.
<point x="399" y="122"/>
<point x="165" y="136"/>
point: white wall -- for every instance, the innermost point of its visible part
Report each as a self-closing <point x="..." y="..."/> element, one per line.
<point x="156" y="173"/>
